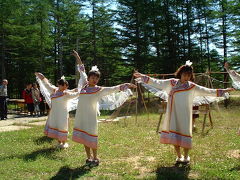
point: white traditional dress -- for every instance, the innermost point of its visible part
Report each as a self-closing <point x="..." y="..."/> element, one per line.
<point x="57" y="123"/>
<point x="235" y="82"/>
<point x="177" y="125"/>
<point x="86" y="128"/>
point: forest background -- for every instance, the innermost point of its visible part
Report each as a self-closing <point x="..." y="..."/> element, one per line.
<point x="152" y="36"/>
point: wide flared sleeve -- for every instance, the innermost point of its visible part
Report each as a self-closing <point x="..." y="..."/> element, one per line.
<point x="46" y="89"/>
<point x="161" y="84"/>
<point x="235" y="78"/>
<point x="51" y="88"/>
<point x="203" y="91"/>
<point x="71" y="94"/>
<point x="157" y="87"/>
<point x="109" y="90"/>
<point x="83" y="77"/>
<point x="111" y="98"/>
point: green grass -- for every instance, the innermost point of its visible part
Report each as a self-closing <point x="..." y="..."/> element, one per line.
<point x="129" y="150"/>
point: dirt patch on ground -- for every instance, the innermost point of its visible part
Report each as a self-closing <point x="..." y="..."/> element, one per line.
<point x="13" y="128"/>
<point x="40" y="123"/>
<point x="136" y="163"/>
<point x="193" y="175"/>
<point x="233" y="154"/>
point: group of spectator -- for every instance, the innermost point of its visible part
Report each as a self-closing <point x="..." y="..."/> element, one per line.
<point x="34" y="100"/>
<point x="31" y="95"/>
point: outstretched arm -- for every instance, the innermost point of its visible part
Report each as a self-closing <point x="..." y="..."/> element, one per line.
<point x="157" y="83"/>
<point x="109" y="90"/>
<point x="51" y="88"/>
<point x="71" y="94"/>
<point x="232" y="72"/>
<point x="203" y="91"/>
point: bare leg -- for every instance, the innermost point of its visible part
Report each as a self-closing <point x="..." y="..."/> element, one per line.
<point x="94" y="153"/>
<point x="95" y="159"/>
<point x="185" y="152"/>
<point x="177" y="149"/>
<point x="87" y="149"/>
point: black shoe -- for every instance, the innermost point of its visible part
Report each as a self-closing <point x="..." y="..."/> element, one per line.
<point x="88" y="161"/>
<point x="95" y="163"/>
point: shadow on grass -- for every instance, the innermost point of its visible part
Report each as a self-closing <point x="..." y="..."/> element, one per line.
<point x="235" y="168"/>
<point x="66" y="173"/>
<point x="178" y="171"/>
<point x="42" y="140"/>
<point x="48" y="153"/>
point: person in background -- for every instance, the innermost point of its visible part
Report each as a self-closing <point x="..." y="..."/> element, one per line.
<point x="36" y="99"/>
<point x="42" y="105"/>
<point x="27" y="96"/>
<point x="3" y="99"/>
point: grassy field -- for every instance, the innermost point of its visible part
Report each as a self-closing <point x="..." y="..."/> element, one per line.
<point x="129" y="150"/>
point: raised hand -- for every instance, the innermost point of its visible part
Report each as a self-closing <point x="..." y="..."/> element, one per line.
<point x="226" y="65"/>
<point x="39" y="75"/>
<point x="75" y="54"/>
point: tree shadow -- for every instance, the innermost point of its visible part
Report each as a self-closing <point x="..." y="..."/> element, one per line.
<point x="66" y="173"/>
<point x="235" y="168"/>
<point x="178" y="171"/>
<point x="48" y="152"/>
<point x="2" y="158"/>
<point x="42" y="140"/>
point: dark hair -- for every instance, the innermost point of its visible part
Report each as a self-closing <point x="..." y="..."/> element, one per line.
<point x="28" y="83"/>
<point x="62" y="82"/>
<point x="94" y="73"/>
<point x="185" y="69"/>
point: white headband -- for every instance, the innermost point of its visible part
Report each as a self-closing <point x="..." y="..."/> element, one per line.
<point x="188" y="63"/>
<point x="94" y="68"/>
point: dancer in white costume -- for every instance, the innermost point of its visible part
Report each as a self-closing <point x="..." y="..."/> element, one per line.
<point x="59" y="99"/>
<point x="86" y="128"/>
<point x="177" y="125"/>
<point x="235" y="80"/>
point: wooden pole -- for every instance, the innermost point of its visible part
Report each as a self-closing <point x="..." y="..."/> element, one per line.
<point x="136" y="107"/>
<point x="144" y="101"/>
